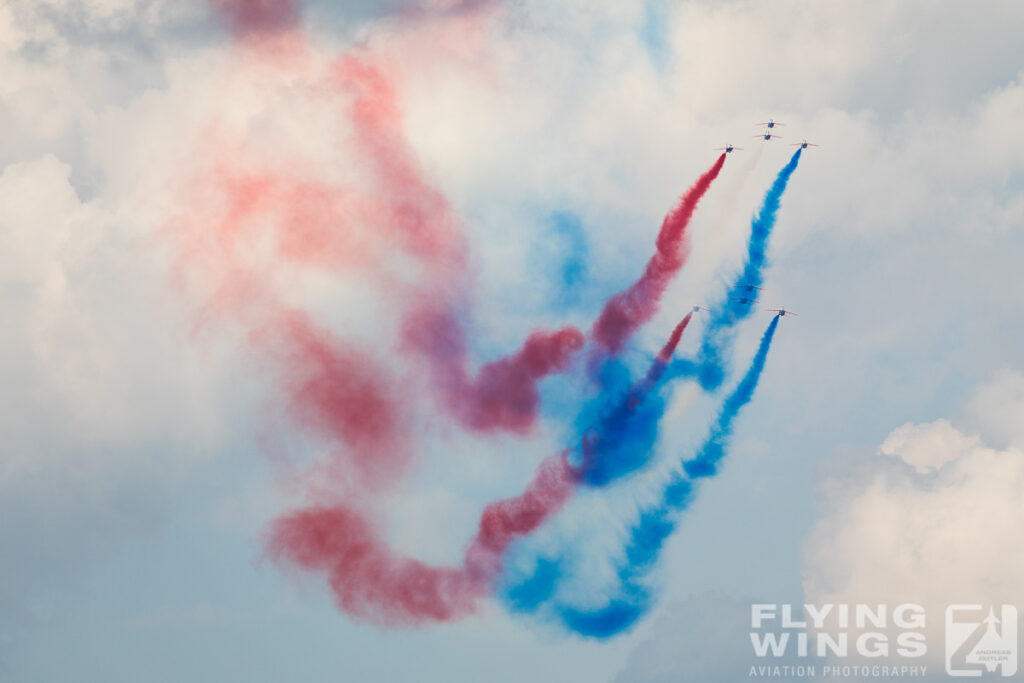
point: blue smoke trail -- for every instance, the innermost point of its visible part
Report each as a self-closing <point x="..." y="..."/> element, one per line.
<point x="618" y="429"/>
<point x="628" y="433"/>
<point x="536" y="592"/>
<point x="569" y="240"/>
<point x="570" y="228"/>
<point x="712" y="358"/>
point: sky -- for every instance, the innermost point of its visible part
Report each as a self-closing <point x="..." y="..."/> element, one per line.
<point x="398" y="165"/>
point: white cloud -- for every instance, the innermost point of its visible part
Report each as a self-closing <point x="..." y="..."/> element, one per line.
<point x="928" y="447"/>
<point x="945" y="532"/>
<point x="99" y="392"/>
<point x="106" y="407"/>
<point x="997" y="408"/>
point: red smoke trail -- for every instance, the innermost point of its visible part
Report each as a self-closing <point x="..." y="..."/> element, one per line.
<point x="320" y="224"/>
<point x="246" y="18"/>
<point x="627" y="310"/>
<point x="657" y="368"/>
<point x="311" y="221"/>
<point x="418" y="212"/>
<point x="316" y="223"/>
<point x="372" y="581"/>
<point x="339" y="394"/>
<point x="505" y="520"/>
<point x="369" y="580"/>
<point x="504" y="393"/>
<point x="336" y="392"/>
<point x="665" y="355"/>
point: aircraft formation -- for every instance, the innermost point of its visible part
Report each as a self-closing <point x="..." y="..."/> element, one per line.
<point x="767" y="136"/>
<point x="747" y="300"/>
